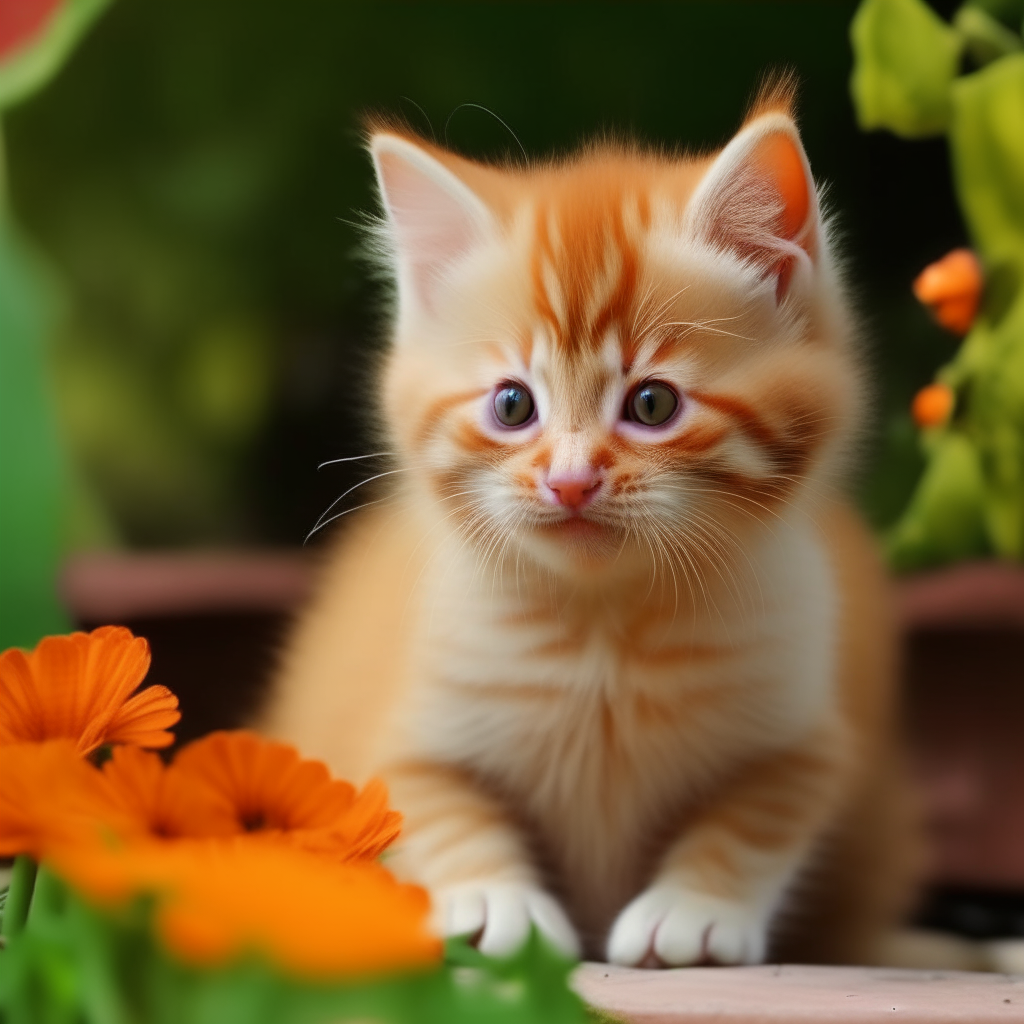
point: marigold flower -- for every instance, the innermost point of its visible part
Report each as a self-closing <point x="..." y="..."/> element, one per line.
<point x="933" y="405"/>
<point x="325" y="919"/>
<point x="78" y="687"/>
<point x="135" y="826"/>
<point x="162" y="802"/>
<point x="951" y="288"/>
<point x="51" y="797"/>
<point x="226" y="785"/>
<point x="265" y="787"/>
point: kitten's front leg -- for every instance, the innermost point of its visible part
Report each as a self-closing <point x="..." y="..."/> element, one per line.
<point x="722" y="881"/>
<point x="457" y="841"/>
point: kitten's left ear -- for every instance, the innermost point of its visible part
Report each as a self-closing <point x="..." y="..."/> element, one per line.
<point x="758" y="200"/>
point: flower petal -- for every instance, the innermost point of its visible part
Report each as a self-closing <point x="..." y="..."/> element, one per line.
<point x="276" y="793"/>
<point x="369" y="827"/>
<point x="21" y="714"/>
<point x="75" y="686"/>
<point x="143" y="719"/>
<point x="329" y="919"/>
<point x="51" y="797"/>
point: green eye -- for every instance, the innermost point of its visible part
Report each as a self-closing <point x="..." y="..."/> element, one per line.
<point x="513" y="405"/>
<point x="652" y="404"/>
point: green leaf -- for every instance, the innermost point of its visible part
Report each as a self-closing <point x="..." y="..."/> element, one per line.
<point x="905" y="60"/>
<point x="1009" y="12"/>
<point x="31" y="67"/>
<point x="944" y="520"/>
<point x="987" y="143"/>
<point x="985" y="38"/>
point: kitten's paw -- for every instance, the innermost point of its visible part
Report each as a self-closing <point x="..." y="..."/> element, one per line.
<point x="501" y="913"/>
<point x="682" y="926"/>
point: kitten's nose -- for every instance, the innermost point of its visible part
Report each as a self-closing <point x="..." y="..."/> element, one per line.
<point x="574" y="490"/>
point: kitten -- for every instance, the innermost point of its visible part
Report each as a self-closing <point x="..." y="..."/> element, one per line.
<point x="614" y="637"/>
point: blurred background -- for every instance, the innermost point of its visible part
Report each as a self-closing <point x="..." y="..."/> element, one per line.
<point x="195" y="173"/>
<point x="183" y="200"/>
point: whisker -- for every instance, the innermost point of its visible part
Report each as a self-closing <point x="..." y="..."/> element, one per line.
<point x="354" y="487"/>
<point x="354" y="458"/>
<point x="320" y="526"/>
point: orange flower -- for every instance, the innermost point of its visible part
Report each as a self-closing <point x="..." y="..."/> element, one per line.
<point x="51" y="797"/>
<point x="226" y="785"/>
<point x="951" y="288"/>
<point x="121" y="831"/>
<point x="163" y="803"/>
<point x="265" y="787"/>
<point x="933" y="405"/>
<point x="217" y="900"/>
<point x="77" y="687"/>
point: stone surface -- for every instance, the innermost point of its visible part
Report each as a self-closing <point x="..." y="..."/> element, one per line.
<point x="794" y="994"/>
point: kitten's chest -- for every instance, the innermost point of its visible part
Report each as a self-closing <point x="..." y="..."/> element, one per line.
<point x="590" y="708"/>
<point x="620" y="703"/>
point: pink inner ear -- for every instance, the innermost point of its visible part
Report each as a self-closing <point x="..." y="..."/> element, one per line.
<point x="763" y="206"/>
<point x="779" y="160"/>
<point x="435" y="219"/>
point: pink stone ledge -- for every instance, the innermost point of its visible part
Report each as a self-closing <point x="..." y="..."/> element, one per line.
<point x="800" y="995"/>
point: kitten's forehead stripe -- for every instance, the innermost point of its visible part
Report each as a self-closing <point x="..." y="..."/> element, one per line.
<point x="585" y="265"/>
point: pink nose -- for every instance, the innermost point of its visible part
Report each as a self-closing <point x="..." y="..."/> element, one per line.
<point x="574" y="490"/>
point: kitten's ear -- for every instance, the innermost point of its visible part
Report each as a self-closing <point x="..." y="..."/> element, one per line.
<point x="433" y="217"/>
<point x="758" y="200"/>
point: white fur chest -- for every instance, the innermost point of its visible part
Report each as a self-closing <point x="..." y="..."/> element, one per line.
<point x="602" y="724"/>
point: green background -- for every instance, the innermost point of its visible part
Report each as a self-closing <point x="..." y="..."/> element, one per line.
<point x="194" y="176"/>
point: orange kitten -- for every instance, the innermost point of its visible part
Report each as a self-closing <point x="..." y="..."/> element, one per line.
<point x="615" y="639"/>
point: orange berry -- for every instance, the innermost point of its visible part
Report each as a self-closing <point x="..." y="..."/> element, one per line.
<point x="933" y="405"/>
<point x="951" y="288"/>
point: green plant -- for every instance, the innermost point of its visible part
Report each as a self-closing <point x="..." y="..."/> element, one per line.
<point x="970" y="500"/>
<point x="32" y="469"/>
<point x="76" y="964"/>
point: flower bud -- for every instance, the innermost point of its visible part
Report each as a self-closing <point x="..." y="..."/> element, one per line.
<point x="933" y="405"/>
<point x="951" y="288"/>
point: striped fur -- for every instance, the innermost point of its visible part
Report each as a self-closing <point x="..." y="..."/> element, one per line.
<point x="660" y="727"/>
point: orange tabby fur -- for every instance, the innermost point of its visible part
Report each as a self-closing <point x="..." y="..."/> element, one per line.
<point x="657" y="722"/>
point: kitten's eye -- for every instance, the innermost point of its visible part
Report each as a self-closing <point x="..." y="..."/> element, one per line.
<point x="652" y="404"/>
<point x="513" y="405"/>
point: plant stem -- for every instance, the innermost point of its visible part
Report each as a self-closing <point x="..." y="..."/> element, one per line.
<point x="19" y="896"/>
<point x="48" y="897"/>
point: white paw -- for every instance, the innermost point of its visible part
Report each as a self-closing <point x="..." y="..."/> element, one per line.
<point x="683" y="926"/>
<point x="501" y="914"/>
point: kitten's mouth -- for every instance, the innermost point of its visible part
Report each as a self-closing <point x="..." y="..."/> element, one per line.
<point x="576" y="527"/>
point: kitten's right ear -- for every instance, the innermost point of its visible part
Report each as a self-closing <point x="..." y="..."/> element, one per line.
<point x="433" y="217"/>
<point x="758" y="201"/>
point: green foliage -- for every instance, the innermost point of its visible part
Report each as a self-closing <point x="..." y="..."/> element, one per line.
<point x="943" y="521"/>
<point x="985" y="37"/>
<point x="987" y="144"/>
<point x="74" y="964"/>
<point x="906" y="59"/>
<point x="33" y="472"/>
<point x="1009" y="12"/>
<point x="194" y="168"/>
<point x="970" y="500"/>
